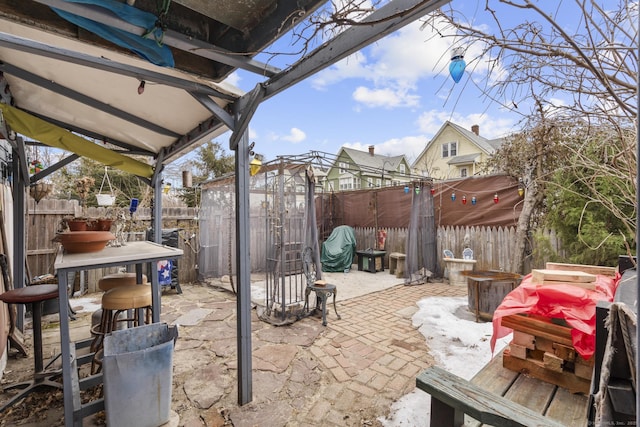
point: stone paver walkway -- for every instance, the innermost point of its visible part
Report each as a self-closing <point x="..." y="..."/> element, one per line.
<point x="345" y="374"/>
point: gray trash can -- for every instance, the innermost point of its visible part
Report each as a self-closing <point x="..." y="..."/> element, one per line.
<point x="138" y="375"/>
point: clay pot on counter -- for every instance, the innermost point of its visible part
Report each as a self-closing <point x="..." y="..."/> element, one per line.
<point x="84" y="241"/>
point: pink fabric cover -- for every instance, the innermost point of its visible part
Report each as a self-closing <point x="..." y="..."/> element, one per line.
<point x="576" y="305"/>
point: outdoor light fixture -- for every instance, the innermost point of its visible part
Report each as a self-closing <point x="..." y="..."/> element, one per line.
<point x="520" y="188"/>
<point x="464" y="199"/>
<point x="166" y="188"/>
<point x="254" y="166"/>
<point x="457" y="65"/>
<point x="495" y="198"/>
<point x="417" y="190"/>
<point x="473" y="200"/>
<point x="141" y="87"/>
<point x="406" y="189"/>
<point x="433" y="191"/>
<point x="453" y="197"/>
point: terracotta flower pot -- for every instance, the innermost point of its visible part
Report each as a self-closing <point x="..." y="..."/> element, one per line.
<point x="84" y="241"/>
<point x="77" y="224"/>
<point x="103" y="224"/>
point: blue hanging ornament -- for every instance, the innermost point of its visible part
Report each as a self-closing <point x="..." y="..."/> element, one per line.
<point x="457" y="65"/>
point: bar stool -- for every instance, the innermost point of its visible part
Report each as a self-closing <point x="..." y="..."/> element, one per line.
<point x="108" y="282"/>
<point x="34" y="295"/>
<point x="115" y="280"/>
<point x="115" y="301"/>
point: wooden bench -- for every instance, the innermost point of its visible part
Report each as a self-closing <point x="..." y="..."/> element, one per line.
<point x="452" y="397"/>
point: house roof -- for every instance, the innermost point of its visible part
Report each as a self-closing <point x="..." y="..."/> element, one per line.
<point x="369" y="164"/>
<point x="488" y="146"/>
<point x="464" y="159"/>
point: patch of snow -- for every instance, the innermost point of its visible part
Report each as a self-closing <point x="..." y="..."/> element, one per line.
<point x="457" y="342"/>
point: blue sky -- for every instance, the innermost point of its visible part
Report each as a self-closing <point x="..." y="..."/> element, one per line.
<point x="394" y="95"/>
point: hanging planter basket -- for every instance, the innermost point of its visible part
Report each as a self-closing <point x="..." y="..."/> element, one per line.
<point x="106" y="199"/>
<point x="40" y="190"/>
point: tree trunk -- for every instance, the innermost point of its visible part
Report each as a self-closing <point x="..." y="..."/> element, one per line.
<point x="530" y="202"/>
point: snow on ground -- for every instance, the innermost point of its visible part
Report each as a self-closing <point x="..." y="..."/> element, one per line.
<point x="456" y="341"/>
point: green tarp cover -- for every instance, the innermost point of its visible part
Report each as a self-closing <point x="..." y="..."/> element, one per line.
<point x="339" y="249"/>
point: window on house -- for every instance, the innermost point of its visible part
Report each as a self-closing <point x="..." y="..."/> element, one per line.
<point x="463" y="172"/>
<point x="357" y="183"/>
<point x="346" y="183"/>
<point x="343" y="167"/>
<point x="378" y="182"/>
<point x="450" y="149"/>
<point x="402" y="169"/>
<point x="370" y="182"/>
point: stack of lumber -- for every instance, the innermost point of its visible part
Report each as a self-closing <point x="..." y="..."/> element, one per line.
<point x="543" y="349"/>
<point x="566" y="277"/>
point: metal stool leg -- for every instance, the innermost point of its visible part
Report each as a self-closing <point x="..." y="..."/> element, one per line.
<point x="38" y="379"/>
<point x="324" y="309"/>
<point x="334" y="304"/>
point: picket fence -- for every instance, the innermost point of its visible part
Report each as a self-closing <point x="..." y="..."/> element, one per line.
<point x="493" y="247"/>
<point x="43" y="222"/>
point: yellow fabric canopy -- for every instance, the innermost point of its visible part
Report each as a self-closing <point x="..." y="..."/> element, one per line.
<point x="55" y="136"/>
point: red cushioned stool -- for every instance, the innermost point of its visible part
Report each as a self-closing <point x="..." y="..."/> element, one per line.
<point x="34" y="295"/>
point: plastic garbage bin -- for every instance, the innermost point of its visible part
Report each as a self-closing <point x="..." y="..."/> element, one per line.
<point x="137" y="374"/>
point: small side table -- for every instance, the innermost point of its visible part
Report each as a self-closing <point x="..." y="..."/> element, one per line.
<point x="371" y="256"/>
<point x="396" y="264"/>
<point x="323" y="292"/>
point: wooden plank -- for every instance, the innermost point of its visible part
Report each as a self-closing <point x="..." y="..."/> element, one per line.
<point x="482" y="405"/>
<point x="494" y="378"/>
<point x="525" y="340"/>
<point x="570" y="409"/>
<point x="518" y="351"/>
<point x="583" y="371"/>
<point x="538" y="328"/>
<point x="552" y="362"/>
<point x="537" y="370"/>
<point x="531" y="393"/>
<point x="540" y="276"/>
<point x="592" y="269"/>
<point x="564" y="352"/>
<point x="590" y="285"/>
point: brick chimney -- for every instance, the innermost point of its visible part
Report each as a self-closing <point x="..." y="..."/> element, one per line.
<point x="475" y="129"/>
<point x="371" y="149"/>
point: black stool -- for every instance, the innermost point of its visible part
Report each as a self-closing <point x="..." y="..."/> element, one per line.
<point x="34" y="295"/>
<point x="323" y="291"/>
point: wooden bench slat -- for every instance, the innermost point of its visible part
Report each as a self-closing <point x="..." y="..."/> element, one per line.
<point x="484" y="406"/>
<point x="568" y="408"/>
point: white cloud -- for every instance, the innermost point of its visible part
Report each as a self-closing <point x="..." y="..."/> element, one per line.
<point x="386" y="97"/>
<point x="430" y="122"/>
<point x="233" y="79"/>
<point x="392" y="69"/>
<point x="295" y="136"/>
<point x="354" y="66"/>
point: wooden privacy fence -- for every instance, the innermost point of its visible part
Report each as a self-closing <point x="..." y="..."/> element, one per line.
<point x="493" y="247"/>
<point x="44" y="218"/>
